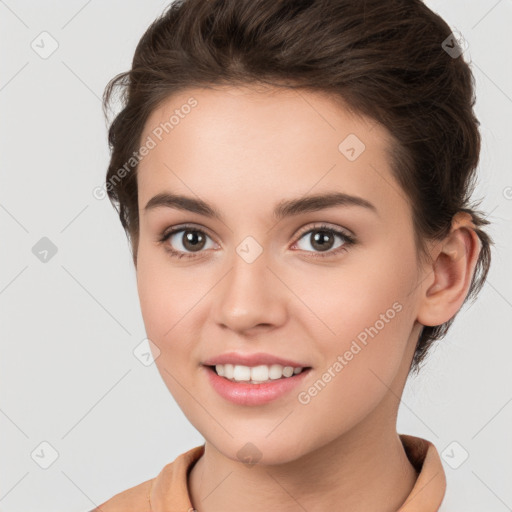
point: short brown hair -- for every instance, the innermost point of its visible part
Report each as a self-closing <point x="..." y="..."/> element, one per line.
<point x="383" y="59"/>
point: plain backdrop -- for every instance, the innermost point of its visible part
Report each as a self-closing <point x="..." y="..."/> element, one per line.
<point x="74" y="396"/>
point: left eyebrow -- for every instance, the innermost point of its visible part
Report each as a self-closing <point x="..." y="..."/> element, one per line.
<point x="285" y="208"/>
<point x="319" y="202"/>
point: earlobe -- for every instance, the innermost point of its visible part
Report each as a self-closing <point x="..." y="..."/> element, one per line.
<point x="454" y="262"/>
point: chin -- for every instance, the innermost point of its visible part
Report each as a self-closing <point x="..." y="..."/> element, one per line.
<point x="258" y="450"/>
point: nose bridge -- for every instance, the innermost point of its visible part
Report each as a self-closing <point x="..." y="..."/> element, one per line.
<point x="250" y="294"/>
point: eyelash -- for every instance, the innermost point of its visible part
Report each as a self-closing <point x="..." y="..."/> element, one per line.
<point x="348" y="239"/>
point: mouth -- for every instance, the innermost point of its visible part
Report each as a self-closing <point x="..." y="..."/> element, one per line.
<point x="257" y="385"/>
<point x="260" y="374"/>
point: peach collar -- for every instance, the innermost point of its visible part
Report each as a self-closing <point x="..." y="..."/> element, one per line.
<point x="170" y="489"/>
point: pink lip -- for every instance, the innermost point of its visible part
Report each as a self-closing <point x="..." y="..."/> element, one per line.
<point x="242" y="393"/>
<point x="251" y="360"/>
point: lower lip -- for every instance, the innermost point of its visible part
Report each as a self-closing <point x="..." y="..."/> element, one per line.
<point x="242" y="393"/>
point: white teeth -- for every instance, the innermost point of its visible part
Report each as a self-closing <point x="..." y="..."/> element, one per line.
<point x="275" y="371"/>
<point x="259" y="373"/>
<point x="255" y="374"/>
<point x="288" y="371"/>
<point x="228" y="371"/>
<point x="241" y="373"/>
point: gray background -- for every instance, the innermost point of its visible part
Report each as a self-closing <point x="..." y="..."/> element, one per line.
<point x="69" y="326"/>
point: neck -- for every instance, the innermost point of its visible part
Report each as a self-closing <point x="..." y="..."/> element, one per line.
<point x="363" y="470"/>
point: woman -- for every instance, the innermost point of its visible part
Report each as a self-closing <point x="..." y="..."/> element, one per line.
<point x="295" y="180"/>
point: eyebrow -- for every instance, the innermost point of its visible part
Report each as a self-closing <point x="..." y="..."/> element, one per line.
<point x="285" y="208"/>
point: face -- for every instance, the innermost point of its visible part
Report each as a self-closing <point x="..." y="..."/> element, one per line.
<point x="269" y="275"/>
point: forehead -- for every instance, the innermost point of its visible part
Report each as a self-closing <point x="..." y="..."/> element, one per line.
<point x="229" y="140"/>
<point x="242" y="111"/>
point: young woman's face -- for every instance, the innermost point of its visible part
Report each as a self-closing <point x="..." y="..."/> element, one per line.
<point x="274" y="278"/>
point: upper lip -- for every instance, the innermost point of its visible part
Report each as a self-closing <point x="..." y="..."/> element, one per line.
<point x="255" y="359"/>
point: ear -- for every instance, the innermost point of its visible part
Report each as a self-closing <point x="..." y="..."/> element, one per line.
<point x="454" y="261"/>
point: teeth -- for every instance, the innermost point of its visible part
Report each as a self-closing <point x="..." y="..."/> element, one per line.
<point x="255" y="374"/>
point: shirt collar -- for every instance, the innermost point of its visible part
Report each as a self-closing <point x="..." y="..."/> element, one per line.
<point x="170" y="489"/>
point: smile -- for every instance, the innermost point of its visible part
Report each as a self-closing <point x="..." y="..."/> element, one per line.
<point x="255" y="374"/>
<point x="241" y="386"/>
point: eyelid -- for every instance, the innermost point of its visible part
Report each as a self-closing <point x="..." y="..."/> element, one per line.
<point x="183" y="227"/>
<point x="325" y="225"/>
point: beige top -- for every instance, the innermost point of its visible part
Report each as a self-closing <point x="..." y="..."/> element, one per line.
<point x="169" y="490"/>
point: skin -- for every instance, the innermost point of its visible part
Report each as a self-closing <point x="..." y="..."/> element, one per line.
<point x="243" y="150"/>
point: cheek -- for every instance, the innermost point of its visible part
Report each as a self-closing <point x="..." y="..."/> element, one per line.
<point x="361" y="363"/>
<point x="165" y="295"/>
<point x="166" y="301"/>
<point x="370" y="315"/>
<point x="154" y="299"/>
<point x="173" y="312"/>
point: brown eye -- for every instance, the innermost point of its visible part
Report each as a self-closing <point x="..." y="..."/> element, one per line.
<point x="185" y="241"/>
<point x="193" y="240"/>
<point x="322" y="239"/>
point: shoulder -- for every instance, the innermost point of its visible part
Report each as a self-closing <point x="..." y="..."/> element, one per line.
<point x="134" y="499"/>
<point x="169" y="486"/>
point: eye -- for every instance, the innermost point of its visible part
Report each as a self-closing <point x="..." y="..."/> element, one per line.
<point x="189" y="241"/>
<point x="323" y="239"/>
<point x="184" y="241"/>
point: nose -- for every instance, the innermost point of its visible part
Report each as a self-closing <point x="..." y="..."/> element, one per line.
<point x="250" y="297"/>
